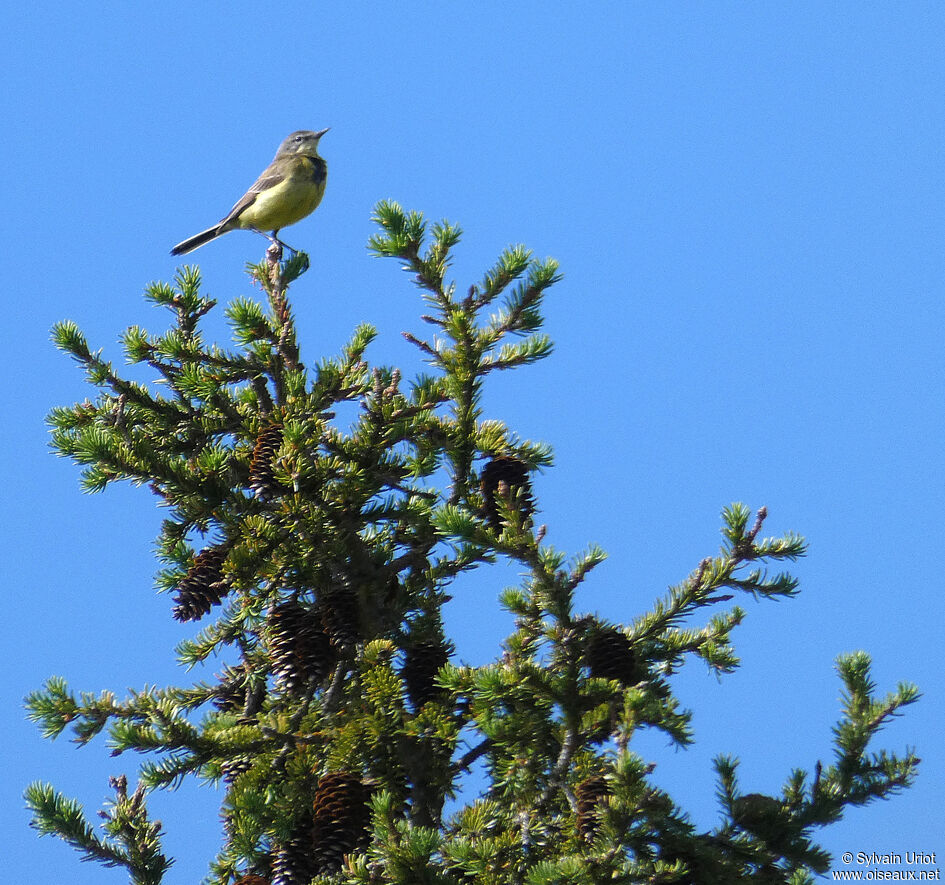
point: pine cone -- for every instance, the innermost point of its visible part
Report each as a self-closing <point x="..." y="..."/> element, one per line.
<point x="342" y="817"/>
<point x="293" y="863"/>
<point x="338" y="608"/>
<point x="233" y="768"/>
<point x="299" y="649"/>
<point x="203" y="586"/>
<point x="609" y="655"/>
<point x="762" y="816"/>
<point x="261" y="475"/>
<point x="251" y="879"/>
<point x="590" y="794"/>
<point x="502" y="477"/>
<point x="422" y="661"/>
<point x="231" y="690"/>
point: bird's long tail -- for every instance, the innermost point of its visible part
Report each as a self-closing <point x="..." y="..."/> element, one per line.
<point x="197" y="240"/>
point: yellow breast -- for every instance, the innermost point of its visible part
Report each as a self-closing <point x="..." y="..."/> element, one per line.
<point x="296" y="196"/>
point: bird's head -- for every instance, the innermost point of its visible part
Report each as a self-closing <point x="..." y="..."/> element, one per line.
<point x="303" y="142"/>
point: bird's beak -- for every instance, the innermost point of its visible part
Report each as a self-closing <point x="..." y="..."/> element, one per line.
<point x="323" y="131"/>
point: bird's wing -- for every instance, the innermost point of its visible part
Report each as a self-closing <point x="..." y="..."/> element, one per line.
<point x="265" y="181"/>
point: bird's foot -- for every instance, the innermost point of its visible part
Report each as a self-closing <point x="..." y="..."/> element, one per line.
<point x="274" y="239"/>
<point x="274" y="255"/>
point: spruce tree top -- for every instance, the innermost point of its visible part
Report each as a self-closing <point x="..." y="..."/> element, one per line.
<point x="313" y="558"/>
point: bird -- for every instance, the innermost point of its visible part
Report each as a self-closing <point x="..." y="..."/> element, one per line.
<point x="289" y="189"/>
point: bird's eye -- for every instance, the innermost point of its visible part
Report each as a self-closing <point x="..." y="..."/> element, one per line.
<point x="298" y="138"/>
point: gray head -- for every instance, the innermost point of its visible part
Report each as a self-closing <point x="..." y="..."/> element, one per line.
<point x="304" y="142"/>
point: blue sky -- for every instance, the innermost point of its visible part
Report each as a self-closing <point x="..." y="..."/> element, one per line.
<point x="747" y="204"/>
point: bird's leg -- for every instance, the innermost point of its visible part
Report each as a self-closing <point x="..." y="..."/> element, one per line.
<point x="274" y="238"/>
<point x="274" y="252"/>
<point x="277" y="244"/>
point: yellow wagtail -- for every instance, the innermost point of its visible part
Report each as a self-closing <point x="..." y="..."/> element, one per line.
<point x="290" y="188"/>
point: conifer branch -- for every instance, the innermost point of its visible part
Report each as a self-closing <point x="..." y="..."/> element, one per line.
<point x="133" y="842"/>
